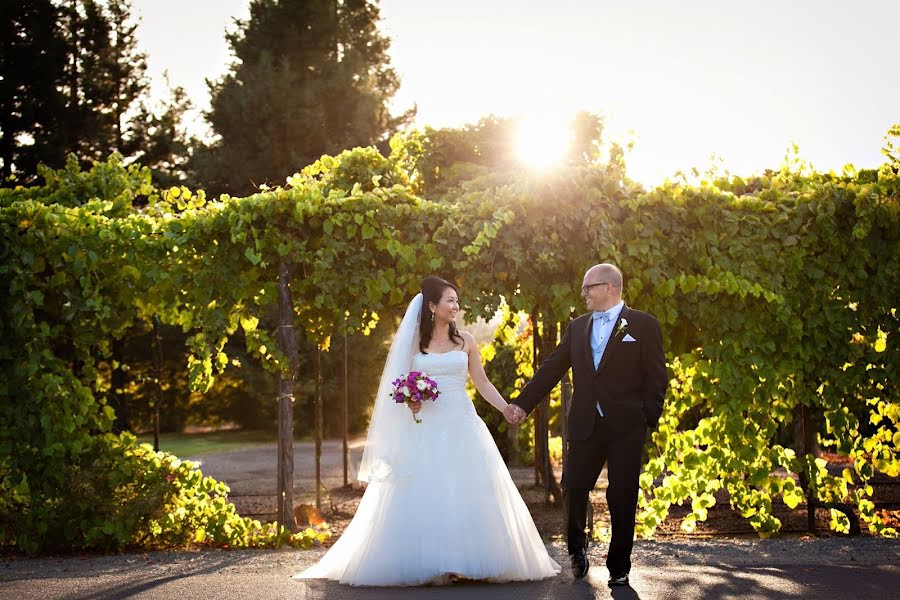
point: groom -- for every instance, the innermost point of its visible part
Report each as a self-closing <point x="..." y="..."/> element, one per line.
<point x="619" y="374"/>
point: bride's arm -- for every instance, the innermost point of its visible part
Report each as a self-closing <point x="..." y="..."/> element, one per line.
<point x="479" y="377"/>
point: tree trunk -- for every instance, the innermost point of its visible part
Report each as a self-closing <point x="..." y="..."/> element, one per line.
<point x="566" y="406"/>
<point x="157" y="377"/>
<point x="512" y="439"/>
<point x="117" y="387"/>
<point x="538" y="419"/>
<point x="346" y="417"/>
<point x="318" y="420"/>
<point x="72" y="113"/>
<point x="543" y="345"/>
<point x="7" y="147"/>
<point x="288" y="345"/>
<point x="551" y="486"/>
<point x="805" y="445"/>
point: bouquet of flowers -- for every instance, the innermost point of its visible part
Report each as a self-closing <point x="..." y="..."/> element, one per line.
<point x="416" y="386"/>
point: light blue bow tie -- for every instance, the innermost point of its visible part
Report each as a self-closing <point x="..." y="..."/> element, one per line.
<point x="603" y="316"/>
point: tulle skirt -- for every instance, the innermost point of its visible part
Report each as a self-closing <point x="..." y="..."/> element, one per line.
<point x="455" y="511"/>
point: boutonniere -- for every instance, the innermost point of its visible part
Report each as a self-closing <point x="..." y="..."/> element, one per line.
<point x="620" y="330"/>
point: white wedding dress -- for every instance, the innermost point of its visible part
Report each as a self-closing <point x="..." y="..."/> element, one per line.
<point x="449" y="506"/>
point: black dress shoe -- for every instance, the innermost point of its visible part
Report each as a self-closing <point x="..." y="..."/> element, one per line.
<point x="619" y="579"/>
<point x="579" y="564"/>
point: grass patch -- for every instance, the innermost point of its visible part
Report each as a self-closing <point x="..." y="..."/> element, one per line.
<point x="195" y="444"/>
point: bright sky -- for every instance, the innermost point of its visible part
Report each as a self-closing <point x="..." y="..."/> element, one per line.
<point x="684" y="80"/>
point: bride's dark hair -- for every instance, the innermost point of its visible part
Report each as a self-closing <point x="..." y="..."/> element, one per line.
<point x="432" y="291"/>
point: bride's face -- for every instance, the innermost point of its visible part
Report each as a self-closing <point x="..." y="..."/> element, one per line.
<point x="447" y="307"/>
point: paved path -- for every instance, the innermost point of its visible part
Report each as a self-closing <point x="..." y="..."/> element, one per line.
<point x="832" y="568"/>
<point x="253" y="468"/>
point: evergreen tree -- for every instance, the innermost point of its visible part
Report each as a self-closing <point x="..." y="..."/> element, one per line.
<point x="157" y="138"/>
<point x="107" y="76"/>
<point x="32" y="64"/>
<point x="310" y="77"/>
<point x="72" y="80"/>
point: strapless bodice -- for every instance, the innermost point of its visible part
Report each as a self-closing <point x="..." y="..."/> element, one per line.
<point x="448" y="369"/>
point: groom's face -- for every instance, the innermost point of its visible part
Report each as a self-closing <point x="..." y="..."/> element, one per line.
<point x="596" y="291"/>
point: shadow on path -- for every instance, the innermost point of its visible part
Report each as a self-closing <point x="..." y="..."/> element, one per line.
<point x="244" y="575"/>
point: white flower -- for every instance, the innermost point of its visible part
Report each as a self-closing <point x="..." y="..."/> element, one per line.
<point x="623" y="323"/>
<point x="405" y="391"/>
<point x="421" y="385"/>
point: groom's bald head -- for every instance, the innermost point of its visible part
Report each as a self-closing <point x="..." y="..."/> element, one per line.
<point x="606" y="272"/>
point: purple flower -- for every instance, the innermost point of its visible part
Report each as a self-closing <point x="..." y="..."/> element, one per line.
<point x="406" y="388"/>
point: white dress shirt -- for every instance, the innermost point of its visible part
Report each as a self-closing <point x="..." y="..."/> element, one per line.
<point x="601" y="333"/>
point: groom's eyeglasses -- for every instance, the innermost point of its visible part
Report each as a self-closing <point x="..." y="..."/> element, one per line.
<point x="585" y="288"/>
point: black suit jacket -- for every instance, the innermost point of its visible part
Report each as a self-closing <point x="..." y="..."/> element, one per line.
<point x="629" y="384"/>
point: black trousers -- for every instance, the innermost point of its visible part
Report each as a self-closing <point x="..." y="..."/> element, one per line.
<point x="620" y="449"/>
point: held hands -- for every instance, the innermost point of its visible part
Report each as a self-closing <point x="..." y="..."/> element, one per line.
<point x="415" y="407"/>
<point x="514" y="414"/>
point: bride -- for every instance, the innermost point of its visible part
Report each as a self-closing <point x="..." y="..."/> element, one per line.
<point x="440" y="503"/>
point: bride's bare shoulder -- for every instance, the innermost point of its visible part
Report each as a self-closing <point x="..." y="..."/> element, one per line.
<point x="468" y="338"/>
